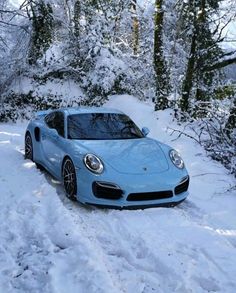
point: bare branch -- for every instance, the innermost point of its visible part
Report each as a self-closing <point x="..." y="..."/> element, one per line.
<point x="180" y="133"/>
<point x="221" y="64"/>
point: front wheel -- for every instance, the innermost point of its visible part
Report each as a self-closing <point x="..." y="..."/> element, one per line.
<point x="69" y="179"/>
<point x="28" y="147"/>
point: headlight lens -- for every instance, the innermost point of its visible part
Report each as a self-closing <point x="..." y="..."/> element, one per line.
<point x="93" y="163"/>
<point x="176" y="159"/>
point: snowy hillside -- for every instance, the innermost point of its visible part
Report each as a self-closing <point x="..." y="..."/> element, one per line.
<point x="48" y="244"/>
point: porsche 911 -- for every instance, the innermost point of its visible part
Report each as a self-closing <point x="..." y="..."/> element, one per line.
<point x="103" y="158"/>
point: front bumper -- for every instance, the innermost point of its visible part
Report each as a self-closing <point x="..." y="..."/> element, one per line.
<point x="138" y="206"/>
<point x="157" y="187"/>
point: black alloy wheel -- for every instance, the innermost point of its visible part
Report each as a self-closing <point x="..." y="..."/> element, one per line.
<point x="28" y="147"/>
<point x="69" y="179"/>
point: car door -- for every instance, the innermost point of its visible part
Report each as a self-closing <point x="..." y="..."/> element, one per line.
<point x="53" y="141"/>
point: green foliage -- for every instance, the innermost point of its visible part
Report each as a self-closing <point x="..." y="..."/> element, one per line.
<point x="224" y="92"/>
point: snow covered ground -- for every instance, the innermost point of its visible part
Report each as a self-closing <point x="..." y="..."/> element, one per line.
<point x="48" y="244"/>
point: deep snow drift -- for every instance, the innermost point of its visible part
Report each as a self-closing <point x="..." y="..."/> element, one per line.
<point x="48" y="244"/>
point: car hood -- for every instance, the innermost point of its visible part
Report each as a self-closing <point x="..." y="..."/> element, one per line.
<point x="133" y="156"/>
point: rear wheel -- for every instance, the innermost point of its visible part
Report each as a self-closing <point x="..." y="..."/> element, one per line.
<point x="69" y="179"/>
<point x="28" y="147"/>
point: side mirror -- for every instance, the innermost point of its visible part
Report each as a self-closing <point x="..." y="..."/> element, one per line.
<point x="145" y="131"/>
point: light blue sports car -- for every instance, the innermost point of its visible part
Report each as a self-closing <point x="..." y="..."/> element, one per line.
<point x="104" y="159"/>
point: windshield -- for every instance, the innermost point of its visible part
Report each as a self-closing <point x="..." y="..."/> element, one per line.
<point x="102" y="126"/>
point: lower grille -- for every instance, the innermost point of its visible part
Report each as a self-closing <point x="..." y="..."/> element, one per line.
<point x="149" y="195"/>
<point x="182" y="187"/>
<point x="106" y="190"/>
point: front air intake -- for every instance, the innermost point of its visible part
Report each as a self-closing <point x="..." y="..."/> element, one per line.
<point x="183" y="186"/>
<point x="106" y="190"/>
<point x="149" y="195"/>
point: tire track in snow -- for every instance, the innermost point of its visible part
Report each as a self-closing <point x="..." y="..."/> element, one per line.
<point x="190" y="210"/>
<point x="150" y="273"/>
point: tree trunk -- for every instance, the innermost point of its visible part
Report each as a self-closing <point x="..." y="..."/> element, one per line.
<point x="135" y="26"/>
<point x="162" y="85"/>
<point x="231" y="123"/>
<point x="188" y="80"/>
<point x="67" y="11"/>
<point x="77" y="10"/>
<point x="190" y="75"/>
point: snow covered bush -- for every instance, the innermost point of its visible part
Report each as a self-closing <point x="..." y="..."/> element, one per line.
<point x="214" y="128"/>
<point x="21" y="106"/>
<point x="106" y="75"/>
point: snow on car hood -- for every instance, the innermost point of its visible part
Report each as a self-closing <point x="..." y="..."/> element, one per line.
<point x="136" y="156"/>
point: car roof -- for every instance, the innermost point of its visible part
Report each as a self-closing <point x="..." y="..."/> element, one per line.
<point x="83" y="110"/>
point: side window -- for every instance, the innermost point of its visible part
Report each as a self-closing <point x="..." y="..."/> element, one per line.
<point x="59" y="123"/>
<point x="49" y="119"/>
<point x="56" y="120"/>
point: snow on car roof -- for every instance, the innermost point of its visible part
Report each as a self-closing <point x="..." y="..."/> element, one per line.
<point x="80" y="110"/>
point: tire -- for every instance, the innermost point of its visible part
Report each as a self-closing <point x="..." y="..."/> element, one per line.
<point x="28" y="147"/>
<point x="40" y="167"/>
<point x="69" y="179"/>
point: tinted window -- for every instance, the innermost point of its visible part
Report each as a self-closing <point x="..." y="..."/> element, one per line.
<point x="56" y="120"/>
<point x="49" y="119"/>
<point x="102" y="126"/>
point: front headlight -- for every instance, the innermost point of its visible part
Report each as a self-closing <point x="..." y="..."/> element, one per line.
<point x="93" y="163"/>
<point x="176" y="159"/>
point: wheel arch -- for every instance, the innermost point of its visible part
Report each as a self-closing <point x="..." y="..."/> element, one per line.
<point x="30" y="130"/>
